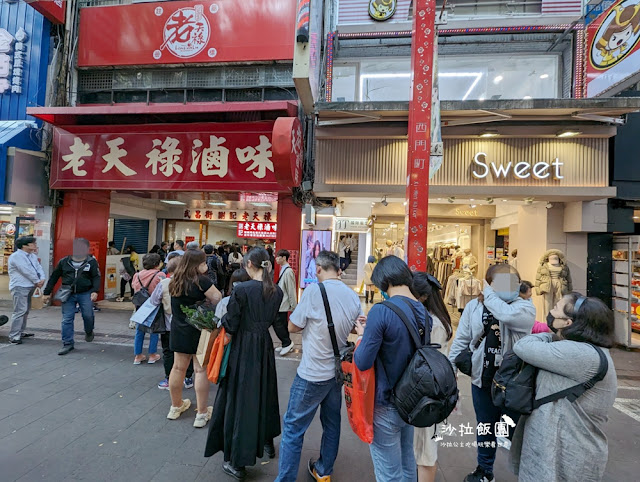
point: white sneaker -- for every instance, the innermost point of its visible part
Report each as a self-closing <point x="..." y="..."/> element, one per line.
<point x="132" y="325"/>
<point x="175" y="412"/>
<point x="203" y="418"/>
<point x="286" y="349"/>
<point x="279" y="349"/>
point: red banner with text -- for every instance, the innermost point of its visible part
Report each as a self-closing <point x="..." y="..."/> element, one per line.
<point x="257" y="230"/>
<point x="187" y="32"/>
<point x="179" y="157"/>
<point x="419" y="143"/>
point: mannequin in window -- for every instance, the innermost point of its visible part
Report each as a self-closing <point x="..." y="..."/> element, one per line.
<point x="514" y="259"/>
<point x="553" y="279"/>
<point x="469" y="261"/>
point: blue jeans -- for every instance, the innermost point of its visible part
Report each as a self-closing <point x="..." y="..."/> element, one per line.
<point x="304" y="400"/>
<point x="392" y="447"/>
<point x="487" y="412"/>
<point x="69" y="315"/>
<point x="139" y="341"/>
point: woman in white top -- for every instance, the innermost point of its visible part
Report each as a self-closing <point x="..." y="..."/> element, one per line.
<point x="235" y="257"/>
<point x="428" y="291"/>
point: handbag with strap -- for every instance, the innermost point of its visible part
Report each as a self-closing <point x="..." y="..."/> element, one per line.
<point x="65" y="291"/>
<point x="337" y="354"/>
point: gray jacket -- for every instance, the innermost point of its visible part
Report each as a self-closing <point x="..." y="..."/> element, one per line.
<point x="563" y="441"/>
<point x="516" y="320"/>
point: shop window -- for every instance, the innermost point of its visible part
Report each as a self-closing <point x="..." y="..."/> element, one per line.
<point x="129" y="96"/>
<point x="244" y="95"/>
<point x="279" y="93"/>
<point x="95" y="98"/>
<point x="470" y="77"/>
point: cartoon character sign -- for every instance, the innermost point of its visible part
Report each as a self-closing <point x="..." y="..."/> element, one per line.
<point x="617" y="35"/>
<point x="613" y="47"/>
<point x="382" y="9"/>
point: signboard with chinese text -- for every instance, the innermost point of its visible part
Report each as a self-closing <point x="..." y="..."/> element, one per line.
<point x="187" y="32"/>
<point x="257" y="230"/>
<point x="178" y="157"/>
<point x="233" y="216"/>
<point x="613" y="49"/>
<point x="351" y="225"/>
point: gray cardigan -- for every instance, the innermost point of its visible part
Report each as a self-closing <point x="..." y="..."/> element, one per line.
<point x="516" y="320"/>
<point x="563" y="441"/>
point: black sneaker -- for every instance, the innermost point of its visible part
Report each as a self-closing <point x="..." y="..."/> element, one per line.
<point x="89" y="337"/>
<point x="238" y="473"/>
<point x="270" y="450"/>
<point x="479" y="475"/>
<point x="66" y="349"/>
<point x="27" y="335"/>
<point x="16" y="342"/>
<point x="4" y="320"/>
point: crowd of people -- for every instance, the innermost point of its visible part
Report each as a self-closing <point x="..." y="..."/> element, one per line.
<point x="560" y="440"/>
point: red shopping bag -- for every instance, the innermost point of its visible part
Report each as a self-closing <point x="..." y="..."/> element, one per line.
<point x="359" y="396"/>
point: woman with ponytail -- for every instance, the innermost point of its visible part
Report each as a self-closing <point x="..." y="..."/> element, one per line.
<point x="246" y="415"/>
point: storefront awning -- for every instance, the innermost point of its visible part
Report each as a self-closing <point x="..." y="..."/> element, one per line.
<point x="165" y="113"/>
<point x="455" y="113"/>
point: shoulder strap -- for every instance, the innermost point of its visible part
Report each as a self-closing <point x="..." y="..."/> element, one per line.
<point x="427" y="333"/>
<point x="332" y="329"/>
<point x="401" y="314"/>
<point x="572" y="393"/>
<point x="150" y="281"/>
<point x="282" y="273"/>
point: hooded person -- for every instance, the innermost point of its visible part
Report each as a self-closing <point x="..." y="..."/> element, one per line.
<point x="489" y="327"/>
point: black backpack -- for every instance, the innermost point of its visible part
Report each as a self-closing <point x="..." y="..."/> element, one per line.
<point x="427" y="391"/>
<point x="142" y="294"/>
<point x="514" y="384"/>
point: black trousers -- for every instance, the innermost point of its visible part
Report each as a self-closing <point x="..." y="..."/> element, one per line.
<point x="281" y="327"/>
<point x="167" y="356"/>
<point x="123" y="285"/>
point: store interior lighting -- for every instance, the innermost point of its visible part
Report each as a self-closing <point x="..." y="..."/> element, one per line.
<point x="262" y="205"/>
<point x="172" y="202"/>
<point x="544" y="76"/>
<point x="489" y="133"/>
<point x="497" y="79"/>
<point x="218" y="204"/>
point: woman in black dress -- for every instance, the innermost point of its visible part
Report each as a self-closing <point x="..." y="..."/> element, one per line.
<point x="188" y="286"/>
<point x="246" y="415"/>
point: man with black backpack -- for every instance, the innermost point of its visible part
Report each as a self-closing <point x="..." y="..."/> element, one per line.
<point x="214" y="265"/>
<point x="80" y="275"/>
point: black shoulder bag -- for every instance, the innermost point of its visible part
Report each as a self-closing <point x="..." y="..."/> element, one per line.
<point x="337" y="356"/>
<point x="65" y="291"/>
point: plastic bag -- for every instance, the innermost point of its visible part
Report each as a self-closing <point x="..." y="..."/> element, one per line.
<point x="217" y="354"/>
<point x="359" y="396"/>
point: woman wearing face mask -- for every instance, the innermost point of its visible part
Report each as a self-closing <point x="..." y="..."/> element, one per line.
<point x="188" y="286"/>
<point x="567" y="437"/>
<point x="246" y="416"/>
<point x="428" y="290"/>
<point x="490" y="328"/>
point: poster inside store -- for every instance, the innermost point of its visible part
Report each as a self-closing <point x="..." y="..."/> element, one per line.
<point x="313" y="242"/>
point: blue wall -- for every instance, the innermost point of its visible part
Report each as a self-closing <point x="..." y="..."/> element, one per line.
<point x="34" y="86"/>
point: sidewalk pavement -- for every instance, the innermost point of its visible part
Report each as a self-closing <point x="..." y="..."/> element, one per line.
<point x="94" y="415"/>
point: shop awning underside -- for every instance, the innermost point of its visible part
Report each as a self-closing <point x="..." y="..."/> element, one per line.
<point x="17" y="134"/>
<point x="457" y="113"/>
<point x="165" y="113"/>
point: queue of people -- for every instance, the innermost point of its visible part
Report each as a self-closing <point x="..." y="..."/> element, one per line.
<point x="245" y="417"/>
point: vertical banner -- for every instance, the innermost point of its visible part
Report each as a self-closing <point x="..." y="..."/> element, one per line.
<point x="419" y="145"/>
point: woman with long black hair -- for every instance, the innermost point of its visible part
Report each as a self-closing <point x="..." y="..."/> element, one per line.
<point x="428" y="291"/>
<point x="246" y="415"/>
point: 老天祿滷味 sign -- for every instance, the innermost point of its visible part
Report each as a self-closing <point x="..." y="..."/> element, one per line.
<point x="193" y="157"/>
<point x="613" y="48"/>
<point x="257" y="230"/>
<point x="182" y="32"/>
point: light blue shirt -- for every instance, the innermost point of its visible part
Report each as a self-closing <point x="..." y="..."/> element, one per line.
<point x="24" y="270"/>
<point x="179" y="251"/>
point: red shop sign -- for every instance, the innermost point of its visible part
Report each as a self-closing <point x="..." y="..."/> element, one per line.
<point x="187" y="32"/>
<point x="288" y="150"/>
<point x="53" y="10"/>
<point x="178" y="157"/>
<point x="257" y="230"/>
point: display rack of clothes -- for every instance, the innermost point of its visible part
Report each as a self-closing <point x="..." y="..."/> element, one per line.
<point x="462" y="287"/>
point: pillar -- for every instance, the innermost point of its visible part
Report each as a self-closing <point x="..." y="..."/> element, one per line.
<point x="84" y="214"/>
<point x="289" y="231"/>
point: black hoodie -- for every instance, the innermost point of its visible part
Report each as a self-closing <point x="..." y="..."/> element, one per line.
<point x="87" y="280"/>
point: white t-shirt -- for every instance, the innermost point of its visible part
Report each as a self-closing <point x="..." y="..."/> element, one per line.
<point x="317" y="363"/>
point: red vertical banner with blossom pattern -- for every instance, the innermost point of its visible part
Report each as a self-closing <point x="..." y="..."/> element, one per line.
<point x="419" y="145"/>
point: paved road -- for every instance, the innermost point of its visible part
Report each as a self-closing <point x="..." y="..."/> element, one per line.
<point x="92" y="415"/>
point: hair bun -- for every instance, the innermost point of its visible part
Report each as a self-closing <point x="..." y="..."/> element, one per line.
<point x="265" y="264"/>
